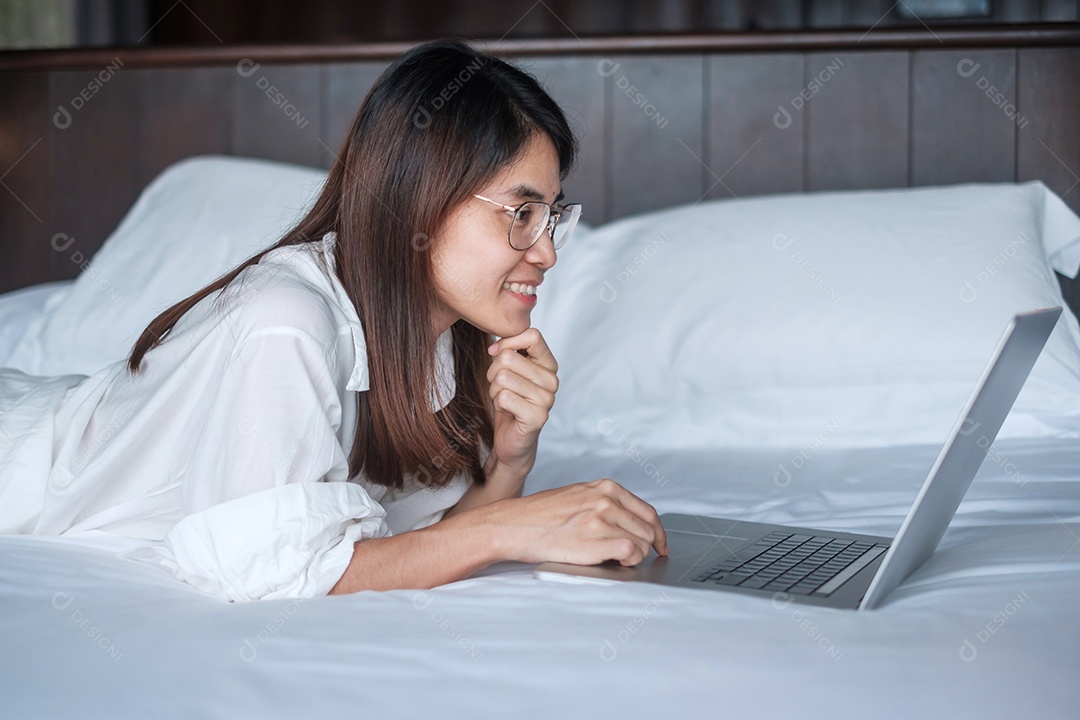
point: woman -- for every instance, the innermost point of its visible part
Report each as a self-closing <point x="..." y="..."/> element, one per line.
<point x="333" y="415"/>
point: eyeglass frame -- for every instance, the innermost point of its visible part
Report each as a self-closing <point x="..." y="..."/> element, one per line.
<point x="555" y="213"/>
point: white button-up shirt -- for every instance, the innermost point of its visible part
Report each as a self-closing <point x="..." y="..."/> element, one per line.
<point x="229" y="449"/>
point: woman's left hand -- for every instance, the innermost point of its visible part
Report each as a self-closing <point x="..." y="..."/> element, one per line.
<point x="523" y="392"/>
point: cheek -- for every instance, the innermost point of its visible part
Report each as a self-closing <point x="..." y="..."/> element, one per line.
<point x="470" y="263"/>
<point x="482" y="262"/>
<point x="462" y="278"/>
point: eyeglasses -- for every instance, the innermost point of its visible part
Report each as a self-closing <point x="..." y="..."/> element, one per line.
<point x="531" y="219"/>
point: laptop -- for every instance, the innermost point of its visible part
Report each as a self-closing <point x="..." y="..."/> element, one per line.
<point x="839" y="569"/>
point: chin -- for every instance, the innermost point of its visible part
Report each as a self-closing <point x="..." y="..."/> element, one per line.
<point x="504" y="328"/>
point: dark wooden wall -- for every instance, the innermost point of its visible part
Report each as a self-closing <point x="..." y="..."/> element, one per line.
<point x="661" y="122"/>
<point x="246" y="21"/>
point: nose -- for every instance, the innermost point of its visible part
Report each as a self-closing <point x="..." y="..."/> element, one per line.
<point x="542" y="253"/>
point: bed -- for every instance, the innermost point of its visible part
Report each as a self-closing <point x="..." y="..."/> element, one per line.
<point x="775" y="313"/>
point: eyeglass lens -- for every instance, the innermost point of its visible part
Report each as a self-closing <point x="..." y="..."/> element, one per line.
<point x="567" y="221"/>
<point x="532" y="219"/>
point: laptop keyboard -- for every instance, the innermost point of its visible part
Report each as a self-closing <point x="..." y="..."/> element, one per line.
<point x="794" y="563"/>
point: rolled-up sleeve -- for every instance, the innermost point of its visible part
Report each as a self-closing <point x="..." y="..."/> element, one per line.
<point x="269" y="512"/>
<point x="291" y="541"/>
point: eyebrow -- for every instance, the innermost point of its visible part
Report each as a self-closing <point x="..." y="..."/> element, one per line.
<point x="529" y="193"/>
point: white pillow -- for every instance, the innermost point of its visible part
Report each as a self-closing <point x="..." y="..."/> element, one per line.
<point x="847" y="319"/>
<point x="197" y="220"/>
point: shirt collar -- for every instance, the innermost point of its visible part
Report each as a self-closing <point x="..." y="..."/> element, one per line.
<point x="445" y="386"/>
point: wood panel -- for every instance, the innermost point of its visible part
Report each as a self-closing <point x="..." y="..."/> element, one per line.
<point x="25" y="181"/>
<point x="1048" y="143"/>
<point x="344" y="88"/>
<point x="962" y="116"/>
<point x="857" y="120"/>
<point x="578" y="87"/>
<point x="907" y="38"/>
<point x="656" y="155"/>
<point x="247" y="21"/>
<point x="755" y="135"/>
<point x="1059" y="10"/>
<point x="778" y="14"/>
<point x="96" y="159"/>
<point x="882" y="118"/>
<point x="276" y="112"/>
<point x="1016" y="10"/>
<point x="188" y="98"/>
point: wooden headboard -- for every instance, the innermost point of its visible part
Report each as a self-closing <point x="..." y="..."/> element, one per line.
<point x="663" y="120"/>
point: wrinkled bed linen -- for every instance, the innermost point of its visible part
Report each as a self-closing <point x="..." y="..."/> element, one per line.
<point x="989" y="626"/>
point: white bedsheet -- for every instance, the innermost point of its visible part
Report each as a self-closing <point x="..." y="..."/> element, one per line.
<point x="19" y="307"/>
<point x="988" y="627"/>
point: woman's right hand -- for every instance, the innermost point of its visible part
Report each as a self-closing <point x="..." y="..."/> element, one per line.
<point x="583" y="524"/>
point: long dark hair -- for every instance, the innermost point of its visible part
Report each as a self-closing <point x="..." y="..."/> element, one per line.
<point x="438" y="124"/>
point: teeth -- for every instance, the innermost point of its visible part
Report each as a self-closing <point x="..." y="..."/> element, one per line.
<point x="520" y="289"/>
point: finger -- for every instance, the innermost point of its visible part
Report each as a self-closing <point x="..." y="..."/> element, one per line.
<point x="533" y="343"/>
<point x="627" y="551"/>
<point x="640" y="533"/>
<point x="643" y="510"/>
<point x="509" y="380"/>
<point x="599" y="550"/>
<point x="530" y="416"/>
<point x="522" y="370"/>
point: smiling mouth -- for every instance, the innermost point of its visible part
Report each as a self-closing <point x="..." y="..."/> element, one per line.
<point x="520" y="288"/>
